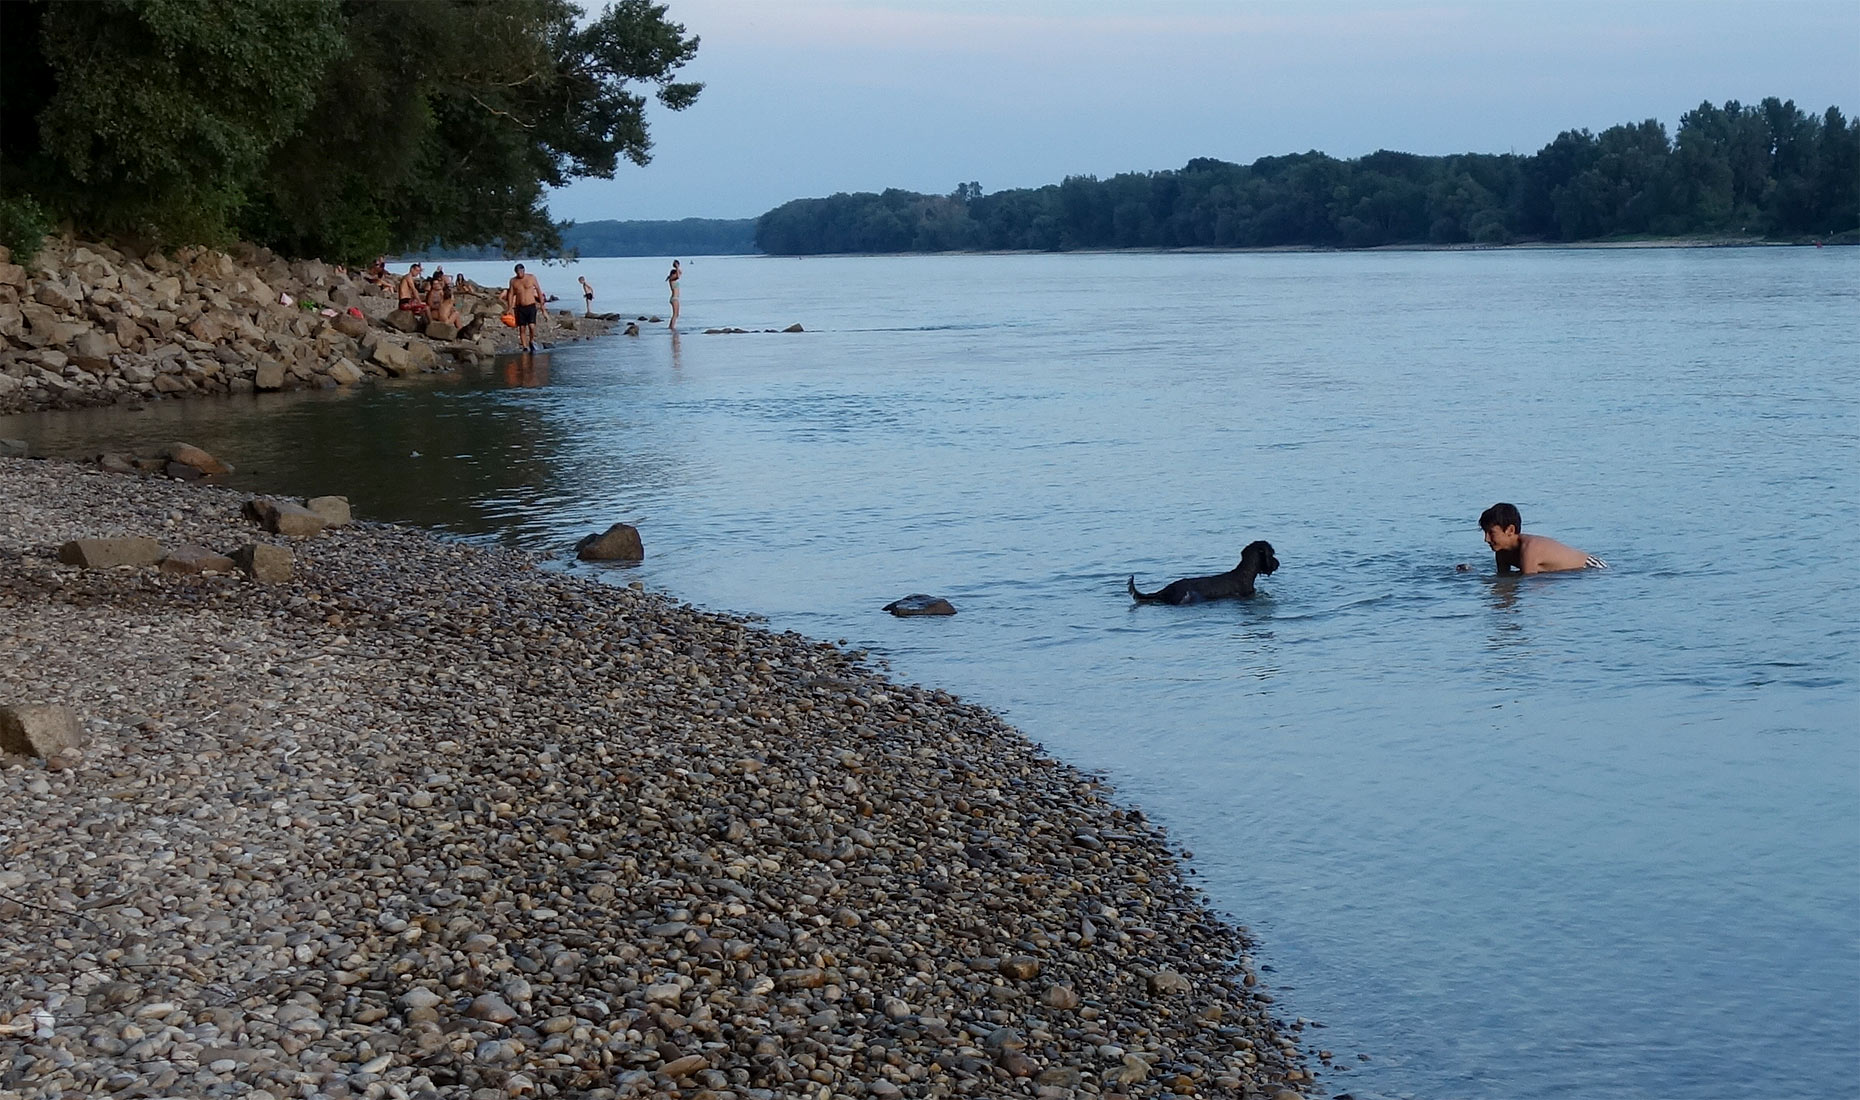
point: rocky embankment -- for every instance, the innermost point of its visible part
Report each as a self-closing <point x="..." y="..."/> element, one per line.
<point x="427" y="820"/>
<point x="90" y="324"/>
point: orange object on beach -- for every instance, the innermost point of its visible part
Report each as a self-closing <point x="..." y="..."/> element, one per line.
<point x="510" y="320"/>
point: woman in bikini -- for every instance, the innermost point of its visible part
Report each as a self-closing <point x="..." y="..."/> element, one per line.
<point x="672" y="280"/>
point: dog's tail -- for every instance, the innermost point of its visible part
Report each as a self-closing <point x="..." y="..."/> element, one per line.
<point x="1134" y="594"/>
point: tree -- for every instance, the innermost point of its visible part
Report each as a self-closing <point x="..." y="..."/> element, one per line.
<point x="340" y="128"/>
<point x="153" y="116"/>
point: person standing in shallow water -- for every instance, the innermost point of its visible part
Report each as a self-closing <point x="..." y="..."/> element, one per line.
<point x="525" y="297"/>
<point x="671" y="280"/>
<point x="1513" y="549"/>
<point x="587" y="297"/>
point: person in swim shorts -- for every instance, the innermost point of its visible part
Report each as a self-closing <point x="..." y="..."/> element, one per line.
<point x="587" y="297"/>
<point x="525" y="296"/>
<point x="1513" y="549"/>
<point x="409" y="291"/>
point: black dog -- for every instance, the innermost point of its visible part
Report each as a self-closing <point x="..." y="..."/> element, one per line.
<point x="1235" y="584"/>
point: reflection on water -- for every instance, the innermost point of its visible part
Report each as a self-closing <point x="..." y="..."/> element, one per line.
<point x="1524" y="837"/>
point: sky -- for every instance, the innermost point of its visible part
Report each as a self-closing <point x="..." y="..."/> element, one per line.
<point x="804" y="98"/>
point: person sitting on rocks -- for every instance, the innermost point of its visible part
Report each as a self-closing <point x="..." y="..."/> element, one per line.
<point x="439" y="304"/>
<point x="379" y="275"/>
<point x="409" y="291"/>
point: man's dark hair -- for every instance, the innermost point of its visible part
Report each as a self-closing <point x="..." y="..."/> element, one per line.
<point x="1500" y="515"/>
<point x="519" y="269"/>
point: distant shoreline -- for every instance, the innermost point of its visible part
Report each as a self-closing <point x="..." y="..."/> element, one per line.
<point x="1539" y="246"/>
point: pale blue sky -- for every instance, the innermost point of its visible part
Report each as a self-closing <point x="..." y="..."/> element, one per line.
<point x="808" y="97"/>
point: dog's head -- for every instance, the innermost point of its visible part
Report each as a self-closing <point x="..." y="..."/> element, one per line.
<point x="1258" y="557"/>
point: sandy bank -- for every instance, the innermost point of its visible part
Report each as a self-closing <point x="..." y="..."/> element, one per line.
<point x="432" y="821"/>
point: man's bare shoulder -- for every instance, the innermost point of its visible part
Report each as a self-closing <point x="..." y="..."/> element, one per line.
<point x="1543" y="554"/>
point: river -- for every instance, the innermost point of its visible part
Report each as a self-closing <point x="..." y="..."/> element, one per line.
<point x="1582" y="834"/>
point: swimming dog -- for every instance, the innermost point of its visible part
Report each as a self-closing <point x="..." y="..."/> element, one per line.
<point x="1235" y="584"/>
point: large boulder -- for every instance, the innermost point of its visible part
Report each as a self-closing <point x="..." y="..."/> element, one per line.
<point x="618" y="543"/>
<point x="441" y="330"/>
<point x="919" y="604"/>
<point x="349" y="325"/>
<point x="334" y="510"/>
<point x="422" y="356"/>
<point x="39" y="729"/>
<point x="195" y="559"/>
<point x="109" y="553"/>
<point x="344" y="373"/>
<point x="284" y="517"/>
<point x="403" y="320"/>
<point x="189" y="455"/>
<point x="393" y="357"/>
<point x="264" y="562"/>
<point x="269" y="376"/>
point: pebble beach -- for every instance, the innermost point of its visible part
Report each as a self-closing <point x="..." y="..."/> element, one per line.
<point x="432" y="820"/>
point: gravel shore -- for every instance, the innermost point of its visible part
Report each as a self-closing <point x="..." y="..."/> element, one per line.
<point x="431" y="820"/>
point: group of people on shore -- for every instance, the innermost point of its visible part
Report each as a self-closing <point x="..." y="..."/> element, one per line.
<point x="417" y="294"/>
<point x="523" y="297"/>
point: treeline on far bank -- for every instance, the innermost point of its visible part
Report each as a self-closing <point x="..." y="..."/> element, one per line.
<point x="1768" y="170"/>
<point x="684" y="237"/>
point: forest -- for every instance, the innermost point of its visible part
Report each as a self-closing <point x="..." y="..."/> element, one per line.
<point x="335" y="128"/>
<point x="1736" y="171"/>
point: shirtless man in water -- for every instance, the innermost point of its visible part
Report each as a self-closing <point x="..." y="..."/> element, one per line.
<point x="525" y="297"/>
<point x="1513" y="549"/>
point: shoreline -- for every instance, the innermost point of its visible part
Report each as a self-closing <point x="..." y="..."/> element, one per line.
<point x="87" y="324"/>
<point x="431" y="820"/>
<point x="1303" y="249"/>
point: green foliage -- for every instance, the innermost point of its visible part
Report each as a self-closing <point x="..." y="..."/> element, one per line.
<point x="1767" y="170"/>
<point x="23" y="227"/>
<point x="340" y="128"/>
<point x="164" y="110"/>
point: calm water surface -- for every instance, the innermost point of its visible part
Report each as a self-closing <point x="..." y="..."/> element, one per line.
<point x="1580" y="835"/>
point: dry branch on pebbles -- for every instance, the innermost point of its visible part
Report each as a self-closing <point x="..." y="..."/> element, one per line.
<point x="431" y="821"/>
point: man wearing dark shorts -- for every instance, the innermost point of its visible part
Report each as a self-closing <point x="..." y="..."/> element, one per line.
<point x="525" y="295"/>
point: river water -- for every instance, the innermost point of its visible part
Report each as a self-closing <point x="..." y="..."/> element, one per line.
<point x="1577" y="835"/>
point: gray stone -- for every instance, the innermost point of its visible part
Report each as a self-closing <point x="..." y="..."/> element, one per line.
<point x="189" y="455"/>
<point x="403" y="321"/>
<point x="195" y="559"/>
<point x="618" y="543"/>
<point x="920" y="604"/>
<point x="1165" y="982"/>
<point x="441" y="330"/>
<point x="109" y="553"/>
<point x="491" y="1008"/>
<point x="393" y="357"/>
<point x="263" y="562"/>
<point x="39" y="729"/>
<point x="349" y="325"/>
<point x="13" y="448"/>
<point x="270" y="375"/>
<point x="284" y="517"/>
<point x="794" y="328"/>
<point x="422" y="356"/>
<point x="334" y="510"/>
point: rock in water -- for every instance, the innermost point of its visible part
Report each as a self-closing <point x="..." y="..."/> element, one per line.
<point x="618" y="543"/>
<point x="919" y="604"/>
<point x="39" y="729"/>
<point x="189" y="455"/>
